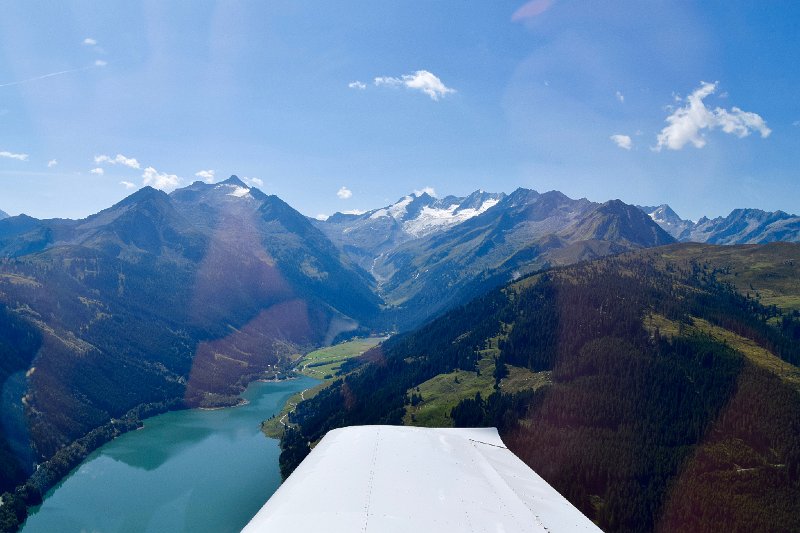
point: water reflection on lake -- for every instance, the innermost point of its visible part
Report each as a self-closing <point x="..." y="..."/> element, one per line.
<point x="185" y="471"/>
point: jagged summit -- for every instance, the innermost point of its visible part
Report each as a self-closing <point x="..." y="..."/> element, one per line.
<point x="144" y="194"/>
<point x="522" y="196"/>
<point x="663" y="213"/>
<point x="233" y="180"/>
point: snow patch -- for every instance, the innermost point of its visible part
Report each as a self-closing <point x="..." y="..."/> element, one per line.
<point x="433" y="219"/>
<point x="236" y="191"/>
<point x="395" y="211"/>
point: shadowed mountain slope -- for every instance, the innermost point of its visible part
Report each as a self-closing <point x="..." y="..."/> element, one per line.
<point x="157" y="302"/>
<point x="657" y="390"/>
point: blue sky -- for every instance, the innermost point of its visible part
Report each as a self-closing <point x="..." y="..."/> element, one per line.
<point x="689" y="103"/>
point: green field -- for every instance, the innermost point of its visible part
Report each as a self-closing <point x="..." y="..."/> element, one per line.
<point x="443" y="392"/>
<point x="322" y="364"/>
<point x="769" y="272"/>
<point x="325" y="362"/>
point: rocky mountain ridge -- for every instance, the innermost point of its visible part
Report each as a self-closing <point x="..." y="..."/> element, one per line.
<point x="741" y="226"/>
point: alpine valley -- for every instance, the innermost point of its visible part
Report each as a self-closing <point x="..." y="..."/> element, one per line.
<point x="640" y="366"/>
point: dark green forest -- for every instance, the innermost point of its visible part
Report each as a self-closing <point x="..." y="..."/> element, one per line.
<point x="647" y="425"/>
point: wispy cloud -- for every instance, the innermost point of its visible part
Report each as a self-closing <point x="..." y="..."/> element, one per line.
<point x="531" y="9"/>
<point x="322" y="217"/>
<point x="623" y="141"/>
<point x="52" y="163"/>
<point x="425" y="190"/>
<point x="344" y="193"/>
<point x="99" y="171"/>
<point x="353" y="212"/>
<point x="13" y="155"/>
<point x="160" y="180"/>
<point x="92" y="43"/>
<point x="421" y="80"/>
<point x="357" y="85"/>
<point x="253" y="182"/>
<point x="686" y="123"/>
<point x="100" y="63"/>
<point x="117" y="159"/>
<point x="128" y="185"/>
<point x="620" y="97"/>
<point x="205" y="175"/>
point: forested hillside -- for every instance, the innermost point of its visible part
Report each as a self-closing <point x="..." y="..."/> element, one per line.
<point x="672" y="395"/>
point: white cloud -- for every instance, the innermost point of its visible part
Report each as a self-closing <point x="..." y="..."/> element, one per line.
<point x="127" y="161"/>
<point x="353" y="212"/>
<point x="686" y="124"/>
<point x="322" y="217"/>
<point x="100" y="63"/>
<point x="357" y="85"/>
<point x="98" y="171"/>
<point x="89" y="41"/>
<point x="741" y="123"/>
<point x="253" y="182"/>
<point x="620" y="97"/>
<point x="796" y="123"/>
<point x="12" y="155"/>
<point x="344" y="193"/>
<point x="119" y="158"/>
<point x="160" y="180"/>
<point x="128" y="185"/>
<point x="430" y="190"/>
<point x="205" y="175"/>
<point x="421" y="80"/>
<point x="52" y="163"/>
<point x="623" y="141"/>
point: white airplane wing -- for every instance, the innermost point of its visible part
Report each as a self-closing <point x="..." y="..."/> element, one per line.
<point x="387" y="479"/>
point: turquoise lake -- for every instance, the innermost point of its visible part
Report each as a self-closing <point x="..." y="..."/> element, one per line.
<point x="194" y="470"/>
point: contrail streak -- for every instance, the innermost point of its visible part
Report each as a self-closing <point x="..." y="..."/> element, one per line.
<point x="51" y="75"/>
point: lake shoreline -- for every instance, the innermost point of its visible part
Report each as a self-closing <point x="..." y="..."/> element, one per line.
<point x="223" y="442"/>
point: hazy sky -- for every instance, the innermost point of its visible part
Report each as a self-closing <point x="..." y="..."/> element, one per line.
<point x="343" y="105"/>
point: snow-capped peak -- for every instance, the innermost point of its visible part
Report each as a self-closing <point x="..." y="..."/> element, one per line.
<point x="663" y="214"/>
<point x="421" y="214"/>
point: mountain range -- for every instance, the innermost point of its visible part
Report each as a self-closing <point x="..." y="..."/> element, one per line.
<point x="165" y="301"/>
<point x="741" y="226"/>
<point x="427" y="255"/>
<point x="369" y="235"/>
